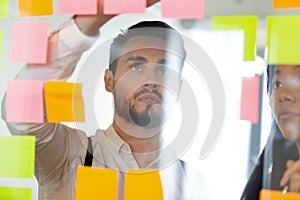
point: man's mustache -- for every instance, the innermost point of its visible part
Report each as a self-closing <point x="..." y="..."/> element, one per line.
<point x="145" y="91"/>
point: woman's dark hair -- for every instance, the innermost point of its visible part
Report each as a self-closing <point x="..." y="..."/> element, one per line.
<point x="152" y="29"/>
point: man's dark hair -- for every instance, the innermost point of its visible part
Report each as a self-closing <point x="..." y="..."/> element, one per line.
<point x="156" y="29"/>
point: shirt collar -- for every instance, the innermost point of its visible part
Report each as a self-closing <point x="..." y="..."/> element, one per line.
<point x="116" y="140"/>
<point x="166" y="156"/>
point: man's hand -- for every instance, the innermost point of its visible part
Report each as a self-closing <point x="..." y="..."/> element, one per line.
<point x="292" y="176"/>
<point x="151" y="2"/>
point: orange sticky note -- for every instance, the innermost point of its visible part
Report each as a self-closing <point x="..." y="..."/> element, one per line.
<point x="96" y="184"/>
<point x="64" y="102"/>
<point x="29" y="42"/>
<point x="35" y="7"/>
<point x="277" y="195"/>
<point x="77" y="7"/>
<point x="286" y="3"/>
<point x="24" y="101"/>
<point x="142" y="184"/>
<point x="124" y="6"/>
<point x="182" y="9"/>
<point x="250" y="99"/>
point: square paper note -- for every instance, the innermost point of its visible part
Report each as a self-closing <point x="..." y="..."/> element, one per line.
<point x="124" y="6"/>
<point x="24" y="101"/>
<point x="17" y="156"/>
<point x="96" y="183"/>
<point x="182" y="9"/>
<point x="29" y="42"/>
<point x="35" y="7"/>
<point x="77" y="7"/>
<point x="64" y="102"/>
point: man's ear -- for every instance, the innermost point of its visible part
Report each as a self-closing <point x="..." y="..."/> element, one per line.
<point x="109" y="80"/>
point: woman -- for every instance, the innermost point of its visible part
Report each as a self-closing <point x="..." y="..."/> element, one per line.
<point x="278" y="167"/>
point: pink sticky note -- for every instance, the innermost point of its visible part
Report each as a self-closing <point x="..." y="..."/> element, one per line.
<point x="124" y="6"/>
<point x="77" y="7"/>
<point x="29" y="42"/>
<point x="24" y="101"/>
<point x="182" y="9"/>
<point x="250" y="99"/>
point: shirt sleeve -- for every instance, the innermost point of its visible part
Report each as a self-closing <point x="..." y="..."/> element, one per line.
<point x="57" y="146"/>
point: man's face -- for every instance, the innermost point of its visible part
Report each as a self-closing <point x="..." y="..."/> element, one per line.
<point x="146" y="77"/>
<point x="284" y="100"/>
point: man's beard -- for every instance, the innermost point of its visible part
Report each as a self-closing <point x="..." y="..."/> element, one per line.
<point x="146" y="118"/>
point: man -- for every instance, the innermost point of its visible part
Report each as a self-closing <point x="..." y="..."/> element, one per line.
<point x="142" y="76"/>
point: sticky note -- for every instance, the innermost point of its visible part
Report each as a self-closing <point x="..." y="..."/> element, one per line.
<point x="64" y="102"/>
<point x="246" y="23"/>
<point x="24" y="101"/>
<point x="29" y="42"/>
<point x="142" y="184"/>
<point x="13" y="193"/>
<point x="277" y="195"/>
<point x="77" y="7"/>
<point x="250" y="99"/>
<point x="283" y="39"/>
<point x="124" y="6"/>
<point x="1" y="44"/>
<point x="35" y="7"/>
<point x="96" y="183"/>
<point x="4" y="6"/>
<point x="17" y="156"/>
<point x="179" y="9"/>
<point x="286" y="4"/>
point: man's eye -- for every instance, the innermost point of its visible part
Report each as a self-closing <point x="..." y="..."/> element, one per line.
<point x="276" y="84"/>
<point x="161" y="70"/>
<point x="137" y="68"/>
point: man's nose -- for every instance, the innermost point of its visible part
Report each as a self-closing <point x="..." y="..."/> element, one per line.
<point x="151" y="86"/>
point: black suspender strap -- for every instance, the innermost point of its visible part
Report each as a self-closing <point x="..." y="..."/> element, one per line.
<point x="89" y="153"/>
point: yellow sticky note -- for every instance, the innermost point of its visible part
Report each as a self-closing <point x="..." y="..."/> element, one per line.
<point x="246" y="23"/>
<point x="96" y="184"/>
<point x="277" y="195"/>
<point x="17" y="156"/>
<point x="283" y="39"/>
<point x="64" y="102"/>
<point x="35" y="7"/>
<point x="13" y="193"/>
<point x="142" y="184"/>
<point x="4" y="6"/>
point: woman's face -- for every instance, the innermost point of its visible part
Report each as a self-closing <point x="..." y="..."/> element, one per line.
<point x="285" y="100"/>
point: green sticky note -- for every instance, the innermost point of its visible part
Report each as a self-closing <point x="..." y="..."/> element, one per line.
<point x="11" y="193"/>
<point x="4" y="5"/>
<point x="17" y="156"/>
<point x="283" y="39"/>
<point x="246" y="23"/>
<point x="1" y="41"/>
